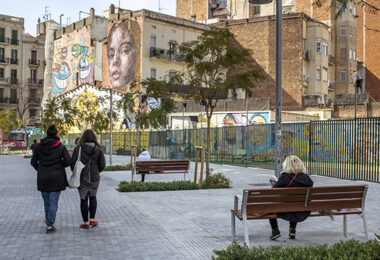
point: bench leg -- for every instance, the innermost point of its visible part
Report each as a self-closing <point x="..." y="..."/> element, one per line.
<point x="246" y="236"/>
<point x="365" y="225"/>
<point x="345" y="225"/>
<point x="233" y="226"/>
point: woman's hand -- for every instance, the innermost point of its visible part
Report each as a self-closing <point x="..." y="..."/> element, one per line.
<point x="272" y="181"/>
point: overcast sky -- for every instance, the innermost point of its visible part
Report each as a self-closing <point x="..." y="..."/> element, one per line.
<point x="30" y="10"/>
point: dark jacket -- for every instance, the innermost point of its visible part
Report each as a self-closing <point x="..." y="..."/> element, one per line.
<point x="302" y="180"/>
<point x="50" y="158"/>
<point x="93" y="158"/>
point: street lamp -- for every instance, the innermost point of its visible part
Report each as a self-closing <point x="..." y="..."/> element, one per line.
<point x="278" y="79"/>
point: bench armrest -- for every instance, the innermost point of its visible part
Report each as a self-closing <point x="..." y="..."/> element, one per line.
<point x="236" y="201"/>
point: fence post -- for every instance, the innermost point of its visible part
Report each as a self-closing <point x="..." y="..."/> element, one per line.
<point x="202" y="165"/>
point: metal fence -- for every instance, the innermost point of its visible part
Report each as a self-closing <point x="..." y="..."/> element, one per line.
<point x="348" y="149"/>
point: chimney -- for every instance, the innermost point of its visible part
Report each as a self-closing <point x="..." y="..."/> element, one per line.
<point x="92" y="12"/>
<point x="112" y="9"/>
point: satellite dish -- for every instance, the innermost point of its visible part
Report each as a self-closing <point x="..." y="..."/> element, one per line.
<point x="260" y="2"/>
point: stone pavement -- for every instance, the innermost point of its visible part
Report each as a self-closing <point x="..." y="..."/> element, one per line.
<point x="150" y="225"/>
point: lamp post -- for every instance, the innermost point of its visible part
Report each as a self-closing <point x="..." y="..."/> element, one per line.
<point x="278" y="79"/>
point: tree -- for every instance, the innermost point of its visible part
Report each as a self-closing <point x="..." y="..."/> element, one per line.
<point x="8" y="121"/>
<point x="215" y="68"/>
<point x="370" y="6"/>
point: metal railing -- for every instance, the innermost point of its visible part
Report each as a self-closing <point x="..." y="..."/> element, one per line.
<point x="13" y="61"/>
<point x="4" y="60"/>
<point x="34" y="62"/>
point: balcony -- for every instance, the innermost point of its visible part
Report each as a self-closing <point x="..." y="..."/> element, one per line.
<point x="4" y="81"/>
<point x="4" y="40"/>
<point x="3" y="100"/>
<point x="14" y="81"/>
<point x="4" y="60"/>
<point x="14" y="61"/>
<point x="34" y="100"/>
<point x="33" y="81"/>
<point x="331" y="60"/>
<point x="166" y="54"/>
<point x="34" y="62"/>
<point x="14" y="41"/>
<point x="13" y="100"/>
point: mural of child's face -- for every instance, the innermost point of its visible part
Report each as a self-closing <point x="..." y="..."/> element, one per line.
<point x="121" y="57"/>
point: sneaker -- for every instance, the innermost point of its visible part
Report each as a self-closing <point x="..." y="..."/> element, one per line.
<point x="50" y="229"/>
<point x="275" y="234"/>
<point x="85" y="226"/>
<point x="292" y="233"/>
<point x="93" y="223"/>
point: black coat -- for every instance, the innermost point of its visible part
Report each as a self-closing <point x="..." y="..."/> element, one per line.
<point x="50" y="158"/>
<point x="93" y="158"/>
<point x="302" y="180"/>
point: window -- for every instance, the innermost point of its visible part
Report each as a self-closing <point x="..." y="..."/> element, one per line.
<point x="2" y="58"/>
<point x="14" y="57"/>
<point x="256" y="10"/>
<point x="343" y="53"/>
<point x="153" y="41"/>
<point x="2" y="33"/>
<point x="153" y="73"/>
<point x="325" y="49"/>
<point x="319" y="74"/>
<point x="343" y="76"/>
<point x="350" y="9"/>
<point x="33" y="56"/>
<point x="1" y="93"/>
<point x="343" y="9"/>
<point x="32" y="113"/>
<point x="343" y="31"/>
<point x="318" y="47"/>
<point x="13" y="95"/>
<point x="354" y="11"/>
<point x="13" y="74"/>
<point x="33" y="94"/>
<point x="350" y="52"/>
<point x="324" y="74"/>
<point x="33" y="76"/>
<point x="1" y="73"/>
<point x="14" y="34"/>
<point x="354" y="54"/>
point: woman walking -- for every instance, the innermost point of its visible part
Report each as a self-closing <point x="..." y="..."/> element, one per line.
<point x="294" y="175"/>
<point x="92" y="157"/>
<point x="50" y="158"/>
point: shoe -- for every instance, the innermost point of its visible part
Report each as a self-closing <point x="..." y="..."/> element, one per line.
<point x="275" y="234"/>
<point x="85" y="226"/>
<point x="50" y="229"/>
<point x="292" y="233"/>
<point x="93" y="223"/>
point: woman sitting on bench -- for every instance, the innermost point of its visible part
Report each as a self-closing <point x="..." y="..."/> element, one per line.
<point x="293" y="175"/>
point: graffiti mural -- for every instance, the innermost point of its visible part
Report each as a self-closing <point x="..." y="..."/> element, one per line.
<point x="121" y="56"/>
<point x="73" y="61"/>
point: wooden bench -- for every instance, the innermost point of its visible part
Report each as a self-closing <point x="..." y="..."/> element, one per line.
<point x="266" y="203"/>
<point x="162" y="167"/>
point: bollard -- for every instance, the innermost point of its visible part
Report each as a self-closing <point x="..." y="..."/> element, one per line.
<point x="201" y="173"/>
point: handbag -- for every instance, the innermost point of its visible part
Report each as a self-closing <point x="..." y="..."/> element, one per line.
<point x="74" y="181"/>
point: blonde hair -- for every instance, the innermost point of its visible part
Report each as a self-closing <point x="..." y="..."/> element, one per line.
<point x="293" y="164"/>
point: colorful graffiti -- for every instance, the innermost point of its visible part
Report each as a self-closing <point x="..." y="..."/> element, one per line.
<point x="73" y="61"/>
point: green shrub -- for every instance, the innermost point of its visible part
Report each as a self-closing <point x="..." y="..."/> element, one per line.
<point x="127" y="167"/>
<point x="216" y="181"/>
<point x="351" y="249"/>
<point x="134" y="186"/>
<point x="27" y="156"/>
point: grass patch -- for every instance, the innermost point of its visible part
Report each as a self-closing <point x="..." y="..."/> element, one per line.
<point x="351" y="249"/>
<point x="126" y="167"/>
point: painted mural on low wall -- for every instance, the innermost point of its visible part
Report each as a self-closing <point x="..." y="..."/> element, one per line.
<point x="73" y="62"/>
<point x="121" y="56"/>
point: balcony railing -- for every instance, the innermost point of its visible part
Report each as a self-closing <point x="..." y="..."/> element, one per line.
<point x="14" y="81"/>
<point x="34" y="100"/>
<point x="4" y="40"/>
<point x="4" y="60"/>
<point x="41" y="82"/>
<point x="14" y="41"/>
<point x="3" y="100"/>
<point x="34" y="62"/>
<point x="13" y="100"/>
<point x="33" y="81"/>
<point x="14" y="61"/>
<point x="166" y="54"/>
<point x="4" y="80"/>
<point x="331" y="60"/>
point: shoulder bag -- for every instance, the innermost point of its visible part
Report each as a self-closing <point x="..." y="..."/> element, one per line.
<point x="74" y="181"/>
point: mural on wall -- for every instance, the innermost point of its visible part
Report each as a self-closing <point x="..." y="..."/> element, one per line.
<point x="121" y="56"/>
<point x="73" y="61"/>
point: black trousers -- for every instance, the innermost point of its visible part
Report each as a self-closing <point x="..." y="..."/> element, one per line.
<point x="274" y="225"/>
<point x="85" y="208"/>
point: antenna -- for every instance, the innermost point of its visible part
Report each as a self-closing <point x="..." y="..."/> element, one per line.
<point x="159" y="6"/>
<point x="47" y="15"/>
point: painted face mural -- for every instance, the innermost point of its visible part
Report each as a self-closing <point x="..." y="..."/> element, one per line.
<point x="121" y="56"/>
<point x="61" y="72"/>
<point x="258" y="131"/>
<point x="85" y="63"/>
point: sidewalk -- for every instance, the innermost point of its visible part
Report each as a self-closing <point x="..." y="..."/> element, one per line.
<point x="150" y="225"/>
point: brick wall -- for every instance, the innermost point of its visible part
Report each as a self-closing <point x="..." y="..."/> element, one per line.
<point x="200" y="8"/>
<point x="372" y="49"/>
<point x="259" y="35"/>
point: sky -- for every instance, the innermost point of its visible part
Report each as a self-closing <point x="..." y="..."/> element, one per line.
<point x="31" y="10"/>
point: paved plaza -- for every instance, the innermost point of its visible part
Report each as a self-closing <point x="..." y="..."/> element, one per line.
<point x="151" y="225"/>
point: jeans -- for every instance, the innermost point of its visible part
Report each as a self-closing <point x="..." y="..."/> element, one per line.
<point x="51" y="206"/>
